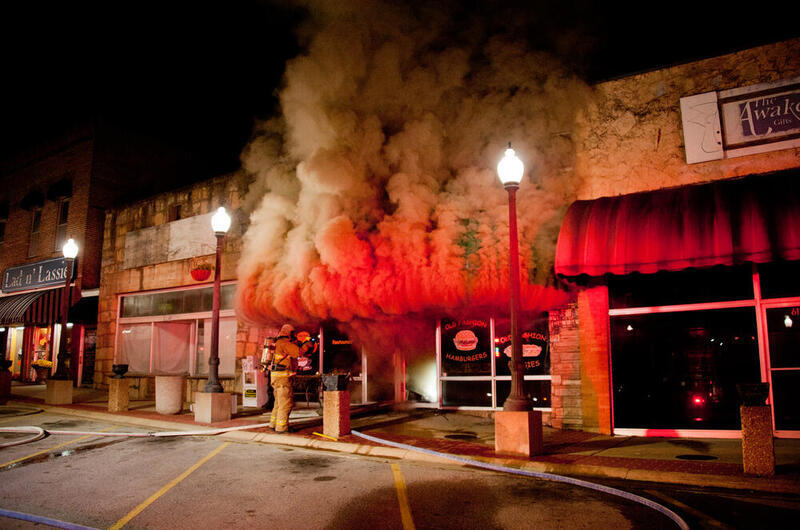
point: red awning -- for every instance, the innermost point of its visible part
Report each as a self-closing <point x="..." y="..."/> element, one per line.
<point x="753" y="219"/>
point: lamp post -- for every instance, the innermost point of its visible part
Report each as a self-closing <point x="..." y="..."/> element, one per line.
<point x="70" y="250"/>
<point x="220" y="223"/>
<point x="510" y="170"/>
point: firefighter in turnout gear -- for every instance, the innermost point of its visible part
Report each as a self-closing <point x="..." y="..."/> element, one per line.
<point x="281" y="372"/>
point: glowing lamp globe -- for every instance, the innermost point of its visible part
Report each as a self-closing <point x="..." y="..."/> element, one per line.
<point x="220" y="221"/>
<point x="510" y="169"/>
<point x="70" y="249"/>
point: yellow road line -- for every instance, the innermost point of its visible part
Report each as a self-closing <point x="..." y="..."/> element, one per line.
<point x="688" y="509"/>
<point x="150" y="500"/>
<point x="54" y="447"/>
<point x="402" y="498"/>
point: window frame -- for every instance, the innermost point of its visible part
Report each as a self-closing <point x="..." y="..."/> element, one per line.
<point x="61" y="228"/>
<point x="193" y="318"/>
<point x="35" y="229"/>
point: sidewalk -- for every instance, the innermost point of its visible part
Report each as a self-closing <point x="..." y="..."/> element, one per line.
<point x="699" y="462"/>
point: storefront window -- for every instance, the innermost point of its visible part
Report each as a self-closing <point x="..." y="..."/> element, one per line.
<point x="176" y="302"/>
<point x="779" y="279"/>
<point x="134" y="347"/>
<point x="537" y="391"/>
<point x="181" y="339"/>
<point x="535" y="351"/>
<point x="171" y="347"/>
<point x="340" y="356"/>
<point x="467" y="393"/>
<point x="475" y="355"/>
<point x="679" y="370"/>
<point x="466" y="347"/>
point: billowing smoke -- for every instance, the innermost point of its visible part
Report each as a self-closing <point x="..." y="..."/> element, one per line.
<point x="376" y="202"/>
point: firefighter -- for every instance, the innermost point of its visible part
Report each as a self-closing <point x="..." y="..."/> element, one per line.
<point x="282" y="370"/>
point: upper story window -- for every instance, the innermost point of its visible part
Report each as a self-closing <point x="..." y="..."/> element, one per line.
<point x="61" y="223"/>
<point x="36" y="221"/>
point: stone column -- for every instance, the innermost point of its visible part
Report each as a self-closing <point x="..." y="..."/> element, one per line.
<point x="212" y="407"/>
<point x="758" y="451"/>
<point x="336" y="413"/>
<point x="59" y="392"/>
<point x="518" y="433"/>
<point x="118" y="399"/>
<point x="169" y="394"/>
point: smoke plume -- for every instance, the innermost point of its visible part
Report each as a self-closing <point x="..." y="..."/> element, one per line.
<point x="376" y="202"/>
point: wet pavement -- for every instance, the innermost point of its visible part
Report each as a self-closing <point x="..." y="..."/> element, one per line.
<point x="464" y="435"/>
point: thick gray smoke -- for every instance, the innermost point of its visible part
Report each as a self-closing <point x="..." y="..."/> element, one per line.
<point x="376" y="200"/>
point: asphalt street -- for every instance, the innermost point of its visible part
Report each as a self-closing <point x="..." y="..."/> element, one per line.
<point x="204" y="481"/>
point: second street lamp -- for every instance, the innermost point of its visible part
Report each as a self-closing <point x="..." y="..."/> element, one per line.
<point x="510" y="170"/>
<point x="220" y="223"/>
<point x="70" y="250"/>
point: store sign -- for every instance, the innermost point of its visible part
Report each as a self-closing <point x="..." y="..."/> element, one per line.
<point x="535" y="353"/>
<point x="465" y="341"/>
<point x="766" y="118"/>
<point x="741" y="121"/>
<point x="35" y="275"/>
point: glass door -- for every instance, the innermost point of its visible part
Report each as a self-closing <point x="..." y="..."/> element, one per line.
<point x="783" y="332"/>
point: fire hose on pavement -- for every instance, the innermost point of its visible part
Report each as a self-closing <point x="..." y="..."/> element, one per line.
<point x="544" y="476"/>
<point x="39" y="433"/>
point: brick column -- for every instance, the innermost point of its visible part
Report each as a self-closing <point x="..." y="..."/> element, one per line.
<point x="758" y="451"/>
<point x="336" y="413"/>
<point x="565" y="368"/>
<point x="595" y="359"/>
<point x="118" y="399"/>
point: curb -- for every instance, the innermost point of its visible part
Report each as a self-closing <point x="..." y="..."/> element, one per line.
<point x="762" y="484"/>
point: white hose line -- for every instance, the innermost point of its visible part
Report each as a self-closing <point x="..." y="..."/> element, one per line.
<point x="38" y="435"/>
<point x="545" y="476"/>
<point x="42" y="432"/>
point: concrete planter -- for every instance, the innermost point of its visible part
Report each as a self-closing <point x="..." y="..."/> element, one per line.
<point x="169" y="394"/>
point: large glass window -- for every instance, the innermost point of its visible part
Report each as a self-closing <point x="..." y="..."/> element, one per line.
<point x="466" y="347"/>
<point x="170" y="332"/>
<point x="134" y="347"/>
<point x="176" y="302"/>
<point x="475" y="355"/>
<point x="171" y="347"/>
<point x="783" y="324"/>
<point x="679" y="370"/>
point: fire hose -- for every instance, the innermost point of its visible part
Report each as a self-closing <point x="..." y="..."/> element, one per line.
<point x="534" y="474"/>
<point x="39" y="433"/>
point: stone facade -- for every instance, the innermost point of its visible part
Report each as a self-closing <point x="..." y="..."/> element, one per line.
<point x="632" y="138"/>
<point x="118" y="278"/>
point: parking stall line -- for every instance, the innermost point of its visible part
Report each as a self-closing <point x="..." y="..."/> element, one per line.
<point x="43" y="451"/>
<point x="686" y="508"/>
<point x="150" y="500"/>
<point x="402" y="498"/>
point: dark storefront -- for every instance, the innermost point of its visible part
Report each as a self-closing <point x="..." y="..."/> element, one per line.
<point x="703" y="295"/>
<point x="31" y="319"/>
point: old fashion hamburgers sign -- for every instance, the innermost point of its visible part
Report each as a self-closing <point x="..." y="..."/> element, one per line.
<point x="465" y="341"/>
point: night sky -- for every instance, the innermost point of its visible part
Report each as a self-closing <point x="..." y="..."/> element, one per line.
<point x="196" y="75"/>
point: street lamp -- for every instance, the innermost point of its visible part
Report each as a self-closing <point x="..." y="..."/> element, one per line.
<point x="70" y="250"/>
<point x="510" y="170"/>
<point x="220" y="223"/>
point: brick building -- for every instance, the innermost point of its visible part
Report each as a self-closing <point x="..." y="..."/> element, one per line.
<point x="59" y="188"/>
